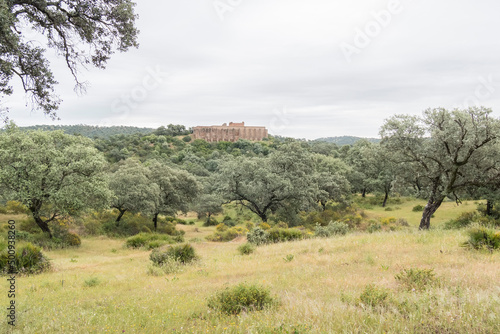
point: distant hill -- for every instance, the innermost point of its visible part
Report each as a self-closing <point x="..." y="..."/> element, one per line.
<point x="92" y="131"/>
<point x="346" y="140"/>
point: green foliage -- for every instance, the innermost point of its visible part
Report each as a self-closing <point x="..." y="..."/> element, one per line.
<point x="151" y="240"/>
<point x="91" y="282"/>
<point x="447" y="152"/>
<point x="258" y="236"/>
<point x="84" y="32"/>
<point x="481" y="237"/>
<point x="464" y="220"/>
<point x="374" y="227"/>
<point x="241" y="298"/>
<point x="210" y="222"/>
<point x="72" y="239"/>
<point x="186" y="139"/>
<point x="333" y="228"/>
<point x="289" y="258"/>
<point x="285" y="234"/>
<point x="416" y="279"/>
<point x="182" y="253"/>
<point x="246" y="249"/>
<point x="418" y="208"/>
<point x="155" y="270"/>
<point x="16" y="207"/>
<point x="227" y="234"/>
<point x="373" y="296"/>
<point x="41" y="170"/>
<point x="28" y="260"/>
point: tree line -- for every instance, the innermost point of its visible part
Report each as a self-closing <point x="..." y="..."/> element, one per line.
<point x="441" y="154"/>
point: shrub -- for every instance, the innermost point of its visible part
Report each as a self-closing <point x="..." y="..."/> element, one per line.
<point x="264" y="226"/>
<point x="258" y="236"/>
<point x="155" y="271"/>
<point x="72" y="239"/>
<point x="28" y="259"/>
<point x="481" y="237"/>
<point x="388" y="220"/>
<point x="210" y="222"/>
<point x="285" y="234"/>
<point x="282" y="225"/>
<point x="333" y="228"/>
<point x="15" y="207"/>
<point x="181" y="253"/>
<point x="464" y="220"/>
<point x="416" y="279"/>
<point x="289" y="258"/>
<point x="418" y="208"/>
<point x="186" y="139"/>
<point x="228" y="234"/>
<point x="151" y="240"/>
<point x="241" y="298"/>
<point x="93" y="227"/>
<point x="91" y="282"/>
<point x="246" y="249"/>
<point x="373" y="296"/>
<point x="221" y="227"/>
<point x="29" y="225"/>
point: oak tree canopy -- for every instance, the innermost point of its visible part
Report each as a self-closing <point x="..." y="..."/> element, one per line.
<point x="83" y="32"/>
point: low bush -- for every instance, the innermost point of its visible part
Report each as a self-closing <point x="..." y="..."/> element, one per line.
<point x="182" y="253"/>
<point x="464" y="220"/>
<point x="285" y="234"/>
<point x="151" y="240"/>
<point x="91" y="282"/>
<point x="61" y="238"/>
<point x="373" y="296"/>
<point x="225" y="234"/>
<point x="16" y="207"/>
<point x="258" y="236"/>
<point x="72" y="239"/>
<point x="241" y="298"/>
<point x="210" y="222"/>
<point x="374" y="227"/>
<point x="246" y="249"/>
<point x="333" y="228"/>
<point x="416" y="279"/>
<point x="418" y="208"/>
<point x="264" y="226"/>
<point x="28" y="259"/>
<point x="481" y="237"/>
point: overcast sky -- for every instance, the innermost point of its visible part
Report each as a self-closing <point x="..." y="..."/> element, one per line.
<point x="304" y="69"/>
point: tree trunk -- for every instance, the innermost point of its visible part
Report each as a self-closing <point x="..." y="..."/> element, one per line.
<point x="122" y="212"/>
<point x="263" y="216"/>
<point x="323" y="204"/>
<point x="385" y="199"/>
<point x="489" y="207"/>
<point x="155" y="220"/>
<point x="363" y="193"/>
<point x="43" y="225"/>
<point x="430" y="208"/>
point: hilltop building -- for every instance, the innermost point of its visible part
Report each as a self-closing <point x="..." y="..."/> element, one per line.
<point x="231" y="132"/>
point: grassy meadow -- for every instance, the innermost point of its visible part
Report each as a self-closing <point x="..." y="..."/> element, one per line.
<point x="103" y="287"/>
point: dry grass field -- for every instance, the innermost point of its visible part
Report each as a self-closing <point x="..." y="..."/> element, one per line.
<point x="103" y="287"/>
